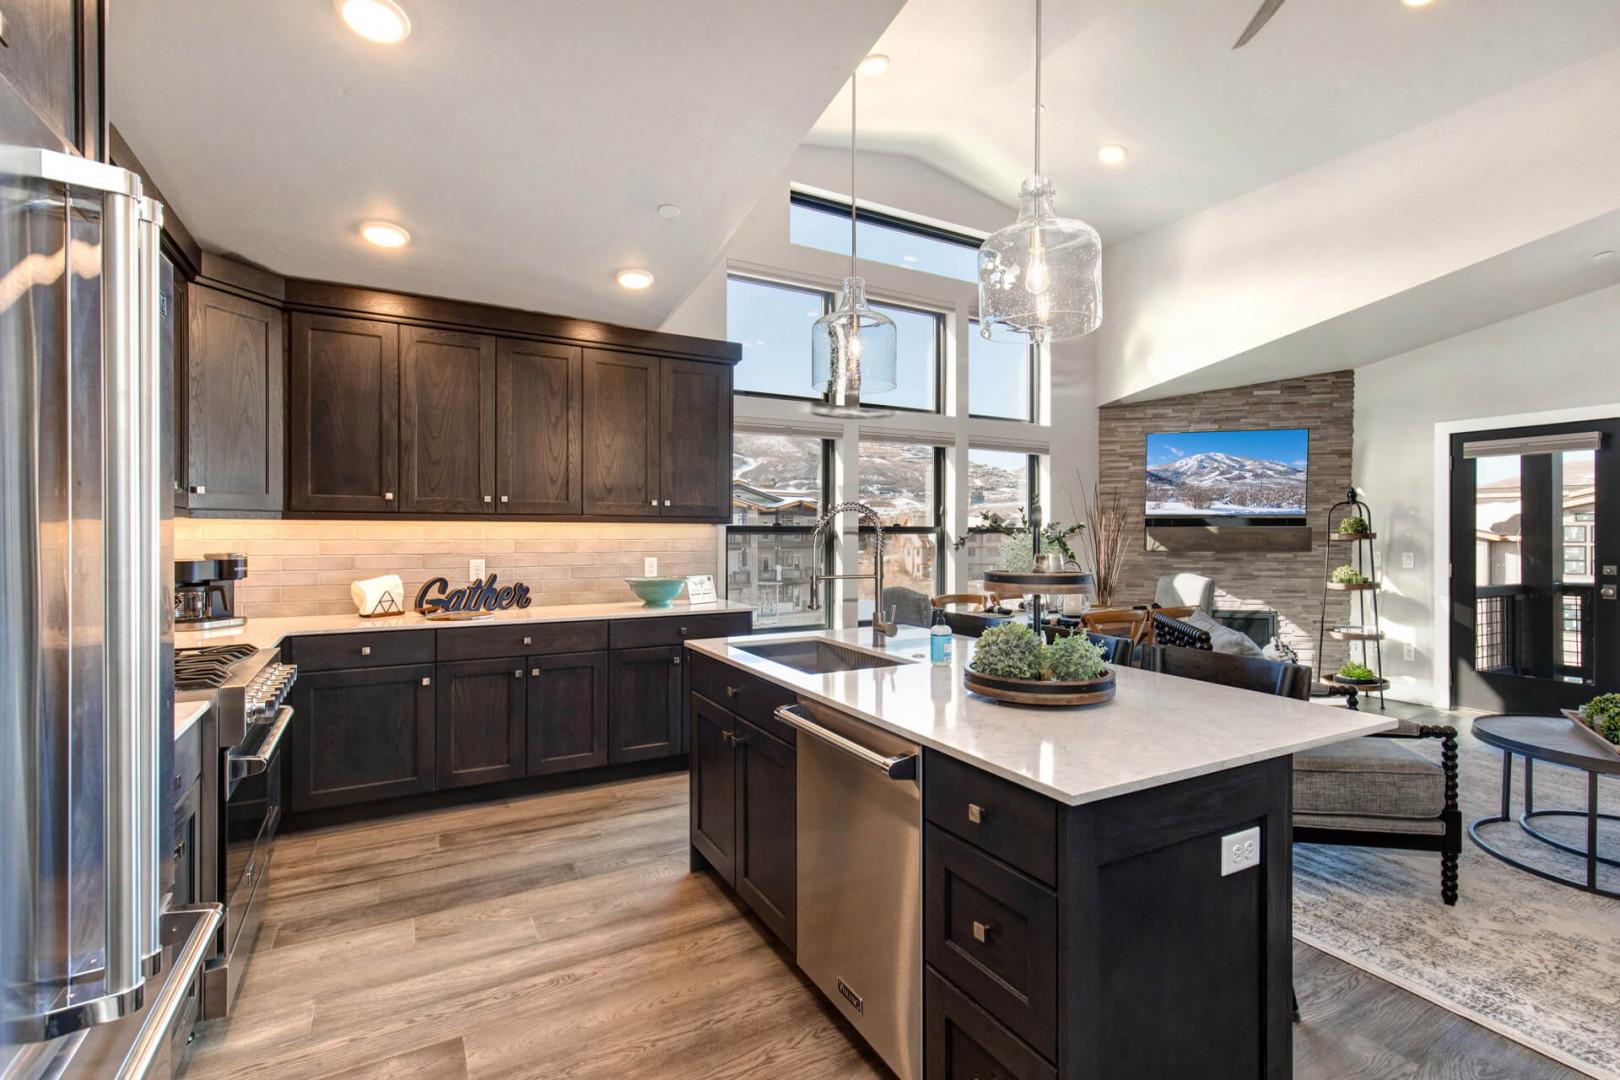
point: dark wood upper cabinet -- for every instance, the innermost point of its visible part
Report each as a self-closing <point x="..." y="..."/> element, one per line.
<point x="696" y="455"/>
<point x="539" y="393"/>
<point x="568" y="712"/>
<point x="234" y="400"/>
<point x="622" y="443"/>
<point x="446" y="422"/>
<point x="343" y="415"/>
<point x="645" y="715"/>
<point x="481" y="728"/>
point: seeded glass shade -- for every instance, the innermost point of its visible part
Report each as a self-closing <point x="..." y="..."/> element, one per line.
<point x="852" y="352"/>
<point x="1040" y="278"/>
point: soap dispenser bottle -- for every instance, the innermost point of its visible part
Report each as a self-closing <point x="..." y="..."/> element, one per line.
<point x="939" y="640"/>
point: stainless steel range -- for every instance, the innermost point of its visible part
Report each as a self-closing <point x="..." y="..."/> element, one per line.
<point x="247" y="688"/>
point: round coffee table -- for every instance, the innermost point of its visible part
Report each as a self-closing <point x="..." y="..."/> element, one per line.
<point x="1556" y="740"/>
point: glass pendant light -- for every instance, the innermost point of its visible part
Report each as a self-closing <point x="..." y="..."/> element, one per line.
<point x="852" y="347"/>
<point x="1040" y="278"/>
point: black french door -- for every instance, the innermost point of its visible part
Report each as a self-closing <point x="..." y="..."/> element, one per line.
<point x="1535" y="565"/>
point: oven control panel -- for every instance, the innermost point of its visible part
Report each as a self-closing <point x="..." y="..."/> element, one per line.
<point x="269" y="688"/>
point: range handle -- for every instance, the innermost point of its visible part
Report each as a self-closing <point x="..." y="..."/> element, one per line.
<point x="254" y="764"/>
<point x="897" y="767"/>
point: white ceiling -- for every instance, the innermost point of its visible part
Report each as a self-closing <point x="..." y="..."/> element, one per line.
<point x="1204" y="123"/>
<point x="526" y="144"/>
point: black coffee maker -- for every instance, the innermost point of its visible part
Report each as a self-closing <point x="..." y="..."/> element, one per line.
<point x="205" y="591"/>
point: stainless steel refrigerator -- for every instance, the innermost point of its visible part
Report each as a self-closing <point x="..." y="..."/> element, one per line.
<point x="91" y="968"/>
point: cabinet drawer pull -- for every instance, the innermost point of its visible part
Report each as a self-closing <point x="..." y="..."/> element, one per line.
<point x="655" y="502"/>
<point x="506" y="498"/>
<point x="489" y="498"/>
<point x="666" y="502"/>
<point x="388" y="496"/>
<point x="534" y="673"/>
<point x="675" y="660"/>
<point x="199" y="489"/>
<point x="732" y="692"/>
<point x="518" y="674"/>
<point x="528" y="641"/>
<point x="426" y="681"/>
<point x="981" y="931"/>
<point x="365" y="650"/>
<point x="976" y="813"/>
<point x="177" y="781"/>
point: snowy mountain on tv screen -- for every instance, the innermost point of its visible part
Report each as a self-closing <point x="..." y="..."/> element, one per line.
<point x="1215" y="483"/>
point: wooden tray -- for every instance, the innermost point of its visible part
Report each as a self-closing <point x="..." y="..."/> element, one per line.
<point x="1582" y="723"/>
<point x="1056" y="583"/>
<point x="458" y="616"/>
<point x="1050" y="692"/>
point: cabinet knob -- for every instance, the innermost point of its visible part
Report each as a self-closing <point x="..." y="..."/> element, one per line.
<point x="535" y="672"/>
<point x="655" y="502"/>
<point x="388" y="496"/>
<point x="675" y="660"/>
<point x="666" y="502"/>
<point x="199" y="489"/>
<point x="506" y="498"/>
<point x="528" y="641"/>
<point x="683" y="631"/>
<point x="518" y="674"/>
<point x="981" y="931"/>
<point x="731" y="692"/>
<point x="426" y="681"/>
<point x="976" y="813"/>
<point x="365" y="650"/>
<point x="489" y="498"/>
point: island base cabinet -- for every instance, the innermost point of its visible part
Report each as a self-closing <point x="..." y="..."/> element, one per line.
<point x="767" y="815"/>
<point x="482" y="729"/>
<point x="714" y="787"/>
<point x="362" y="735"/>
<point x="963" y="1042"/>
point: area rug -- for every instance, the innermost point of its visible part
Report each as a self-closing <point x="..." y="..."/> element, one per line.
<point x="1537" y="962"/>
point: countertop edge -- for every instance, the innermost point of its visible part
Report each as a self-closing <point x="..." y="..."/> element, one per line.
<point x="187" y="713"/>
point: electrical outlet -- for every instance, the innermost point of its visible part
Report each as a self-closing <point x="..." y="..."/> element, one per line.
<point x="1408" y="560"/>
<point x="1240" y="850"/>
<point x="649" y="566"/>
<point x="475" y="569"/>
<point x="1408" y="651"/>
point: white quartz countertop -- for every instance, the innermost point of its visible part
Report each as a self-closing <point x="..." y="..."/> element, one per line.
<point x="1158" y="728"/>
<point x="187" y="713"/>
<point x="268" y="633"/>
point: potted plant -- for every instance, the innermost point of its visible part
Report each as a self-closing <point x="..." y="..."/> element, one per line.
<point x="1347" y="575"/>
<point x="1602" y="715"/>
<point x="1354" y="528"/>
<point x="1011" y="663"/>
<point x="1018" y="550"/>
<point x="1356" y="673"/>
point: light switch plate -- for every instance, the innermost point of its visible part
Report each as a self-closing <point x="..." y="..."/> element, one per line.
<point x="1408" y="560"/>
<point x="649" y="566"/>
<point x="1240" y="850"/>
<point x="475" y="569"/>
<point x="1409" y="651"/>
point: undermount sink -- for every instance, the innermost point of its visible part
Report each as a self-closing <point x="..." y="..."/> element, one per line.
<point x="815" y="656"/>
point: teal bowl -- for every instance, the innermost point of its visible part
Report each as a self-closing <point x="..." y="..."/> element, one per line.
<point x="656" y="591"/>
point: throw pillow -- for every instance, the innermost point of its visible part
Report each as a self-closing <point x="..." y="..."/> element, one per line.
<point x="1223" y="638"/>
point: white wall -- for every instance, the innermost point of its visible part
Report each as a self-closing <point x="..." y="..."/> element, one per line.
<point x="1482" y="181"/>
<point x="1562" y="360"/>
<point x="760" y="246"/>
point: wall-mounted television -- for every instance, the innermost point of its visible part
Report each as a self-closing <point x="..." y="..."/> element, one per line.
<point x="1224" y="478"/>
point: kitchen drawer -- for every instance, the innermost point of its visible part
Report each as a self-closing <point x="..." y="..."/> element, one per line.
<point x="383" y="648"/>
<point x="993" y="932"/>
<point x="522" y="639"/>
<point x="674" y="629"/>
<point x="963" y="1042"/>
<point x="1012" y="823"/>
<point x="188" y="757"/>
<point x="751" y="698"/>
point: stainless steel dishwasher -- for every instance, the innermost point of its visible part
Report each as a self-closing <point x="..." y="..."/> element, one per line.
<point x="860" y="876"/>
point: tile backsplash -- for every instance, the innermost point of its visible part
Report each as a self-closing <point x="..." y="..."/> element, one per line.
<point x="305" y="567"/>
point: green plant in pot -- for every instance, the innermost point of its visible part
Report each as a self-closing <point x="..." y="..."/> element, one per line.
<point x="1602" y="713"/>
<point x="1075" y="658"/>
<point x="1009" y="651"/>
<point x="1351" y="671"/>
<point x="1354" y="526"/>
<point x="1348" y="575"/>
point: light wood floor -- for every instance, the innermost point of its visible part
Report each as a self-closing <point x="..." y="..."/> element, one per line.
<point x="562" y="936"/>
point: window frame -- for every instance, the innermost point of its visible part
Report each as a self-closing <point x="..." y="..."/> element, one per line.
<point x="840" y="207"/>
<point x="829" y="456"/>
<point x="937" y="529"/>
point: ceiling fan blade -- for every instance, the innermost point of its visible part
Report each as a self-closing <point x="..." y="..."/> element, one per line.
<point x="1268" y="8"/>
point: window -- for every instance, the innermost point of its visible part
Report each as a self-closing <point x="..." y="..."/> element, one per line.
<point x="773" y="324"/>
<point x="777" y="489"/>
<point x="884" y="238"/>
<point x="901" y="481"/>
<point x="919" y="344"/>
<point x="1575" y="534"/>
<point x="1575" y="561"/>
<point x="1001" y="482"/>
<point x="1001" y="378"/>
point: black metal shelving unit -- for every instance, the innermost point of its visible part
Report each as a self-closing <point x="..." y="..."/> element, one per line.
<point x="1367" y="637"/>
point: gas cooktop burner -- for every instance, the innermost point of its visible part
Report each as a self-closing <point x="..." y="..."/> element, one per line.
<point x="210" y="666"/>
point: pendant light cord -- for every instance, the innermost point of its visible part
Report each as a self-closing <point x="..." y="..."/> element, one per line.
<point x="1037" y="87"/>
<point x="854" y="80"/>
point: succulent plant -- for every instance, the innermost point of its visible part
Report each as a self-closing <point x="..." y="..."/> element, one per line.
<point x="1354" y="526"/>
<point x="1348" y="575"/>
<point x="1603" y="713"/>
<point x="1357" y="672"/>
<point x="1074" y="657"/>
<point x="1010" y="650"/>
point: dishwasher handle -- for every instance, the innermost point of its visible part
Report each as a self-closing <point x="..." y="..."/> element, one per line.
<point x="898" y="767"/>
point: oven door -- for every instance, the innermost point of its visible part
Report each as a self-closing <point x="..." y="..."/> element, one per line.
<point x="252" y="813"/>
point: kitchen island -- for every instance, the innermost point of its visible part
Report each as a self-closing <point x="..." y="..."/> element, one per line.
<point x="1088" y="892"/>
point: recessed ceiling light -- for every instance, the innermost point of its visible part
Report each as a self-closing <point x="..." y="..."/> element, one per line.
<point x="1112" y="154"/>
<point x="1417" y="3"/>
<point x="669" y="210"/>
<point x="385" y="234"/>
<point x="382" y="21"/>
<point x="633" y="278"/>
<point x="874" y="65"/>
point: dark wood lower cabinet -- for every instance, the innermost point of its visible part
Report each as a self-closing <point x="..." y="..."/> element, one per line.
<point x="963" y="1042"/>
<point x="645" y="715"/>
<point x="482" y="733"/>
<point x="767" y="817"/>
<point x="364" y="735"/>
<point x="714" y="786"/>
<point x="568" y="712"/>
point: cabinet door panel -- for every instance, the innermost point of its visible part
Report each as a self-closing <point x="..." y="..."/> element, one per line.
<point x="767" y="849"/>
<point x="621" y="419"/>
<point x="447" y="422"/>
<point x="482" y="736"/>
<point x="645" y="710"/>
<point x="714" y="786"/>
<point x="568" y="712"/>
<point x="696" y="454"/>
<point x="233" y="403"/>
<point x="344" y="413"/>
<point x="359" y="736"/>
<point x="539" y="402"/>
